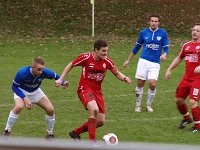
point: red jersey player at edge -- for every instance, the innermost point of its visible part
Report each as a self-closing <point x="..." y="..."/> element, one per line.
<point x="189" y="84"/>
<point x="94" y="67"/>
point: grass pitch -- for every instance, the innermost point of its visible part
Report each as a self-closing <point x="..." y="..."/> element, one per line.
<point x="159" y="126"/>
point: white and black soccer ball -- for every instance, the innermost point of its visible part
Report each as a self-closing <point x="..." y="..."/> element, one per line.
<point x="110" y="139"/>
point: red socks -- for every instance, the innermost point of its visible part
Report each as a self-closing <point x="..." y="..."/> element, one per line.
<point x="92" y="123"/>
<point x="81" y="129"/>
<point x="89" y="126"/>
<point x="196" y="117"/>
<point x="183" y="109"/>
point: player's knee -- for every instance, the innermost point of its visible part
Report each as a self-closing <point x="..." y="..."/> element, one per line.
<point x="152" y="86"/>
<point x="180" y="101"/>
<point x="17" y="109"/>
<point x="94" y="113"/>
<point x="50" y="111"/>
<point x="193" y="103"/>
<point x="101" y="123"/>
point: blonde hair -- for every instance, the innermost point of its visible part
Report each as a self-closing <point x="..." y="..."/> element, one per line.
<point x="38" y="60"/>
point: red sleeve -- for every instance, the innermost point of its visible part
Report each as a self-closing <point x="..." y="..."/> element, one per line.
<point x="80" y="60"/>
<point x="111" y="66"/>
<point x="182" y="53"/>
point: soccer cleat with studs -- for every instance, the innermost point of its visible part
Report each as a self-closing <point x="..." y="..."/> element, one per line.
<point x="50" y="136"/>
<point x="194" y="129"/>
<point x="74" y="136"/>
<point x="5" y="134"/>
<point x="184" y="123"/>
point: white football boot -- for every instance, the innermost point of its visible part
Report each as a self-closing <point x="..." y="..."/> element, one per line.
<point x="138" y="109"/>
<point x="149" y="109"/>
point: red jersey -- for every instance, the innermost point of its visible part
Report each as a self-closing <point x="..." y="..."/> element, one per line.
<point x="191" y="52"/>
<point x="93" y="71"/>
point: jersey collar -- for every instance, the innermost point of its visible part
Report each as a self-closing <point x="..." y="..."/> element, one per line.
<point x="154" y="30"/>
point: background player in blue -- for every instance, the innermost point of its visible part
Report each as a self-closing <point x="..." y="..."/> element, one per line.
<point x="26" y="91"/>
<point x="153" y="40"/>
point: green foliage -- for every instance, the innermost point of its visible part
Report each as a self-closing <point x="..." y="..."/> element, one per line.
<point x="159" y="126"/>
<point x="47" y="18"/>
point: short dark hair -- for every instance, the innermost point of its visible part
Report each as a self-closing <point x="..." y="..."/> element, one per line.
<point x="100" y="43"/>
<point x="38" y="60"/>
<point x="156" y="16"/>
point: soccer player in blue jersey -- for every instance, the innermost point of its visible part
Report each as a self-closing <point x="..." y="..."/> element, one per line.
<point x="154" y="40"/>
<point x="26" y="91"/>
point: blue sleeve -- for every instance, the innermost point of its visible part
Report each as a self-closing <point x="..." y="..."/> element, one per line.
<point x="166" y="43"/>
<point x="166" y="50"/>
<point x="17" y="91"/>
<point x="139" y="43"/>
<point x="49" y="74"/>
<point x="16" y="83"/>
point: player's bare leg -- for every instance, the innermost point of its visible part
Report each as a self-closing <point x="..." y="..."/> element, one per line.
<point x="49" y="117"/>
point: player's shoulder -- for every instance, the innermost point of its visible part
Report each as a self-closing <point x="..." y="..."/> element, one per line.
<point x="187" y="43"/>
<point x="85" y="55"/>
<point x="47" y="70"/>
<point x="24" y="69"/>
<point x="162" y="30"/>
<point x="23" y="72"/>
<point x="108" y="59"/>
<point x="145" y="30"/>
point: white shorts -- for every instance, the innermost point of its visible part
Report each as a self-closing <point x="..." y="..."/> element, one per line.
<point x="34" y="97"/>
<point x="147" y="70"/>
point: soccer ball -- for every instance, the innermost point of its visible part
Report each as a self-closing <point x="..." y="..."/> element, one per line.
<point x="110" y="139"/>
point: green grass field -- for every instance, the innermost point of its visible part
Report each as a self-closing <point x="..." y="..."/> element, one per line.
<point x="159" y="126"/>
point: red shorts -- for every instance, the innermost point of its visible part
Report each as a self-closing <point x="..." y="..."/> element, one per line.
<point x="87" y="95"/>
<point x="188" y="87"/>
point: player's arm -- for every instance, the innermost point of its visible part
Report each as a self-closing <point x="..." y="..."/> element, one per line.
<point x="197" y="70"/>
<point x="163" y="57"/>
<point x="15" y="87"/>
<point x="120" y="75"/>
<point x="17" y="81"/>
<point x="65" y="72"/>
<point x="16" y="90"/>
<point x="49" y="74"/>
<point x="172" y="66"/>
<point x="128" y="60"/>
<point x="135" y="49"/>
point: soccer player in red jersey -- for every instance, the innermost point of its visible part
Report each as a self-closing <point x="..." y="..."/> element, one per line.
<point x="94" y="67"/>
<point x="190" y="83"/>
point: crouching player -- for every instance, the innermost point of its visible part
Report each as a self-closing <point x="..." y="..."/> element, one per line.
<point x="26" y="91"/>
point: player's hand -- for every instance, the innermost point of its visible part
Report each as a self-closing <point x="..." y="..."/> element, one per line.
<point x="65" y="85"/>
<point x="167" y="75"/>
<point x="163" y="57"/>
<point x="125" y="63"/>
<point x="127" y="80"/>
<point x="27" y="103"/>
<point x="197" y="69"/>
<point x="58" y="82"/>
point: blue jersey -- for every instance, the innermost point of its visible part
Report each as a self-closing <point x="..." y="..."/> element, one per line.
<point x="25" y="80"/>
<point x="153" y="42"/>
